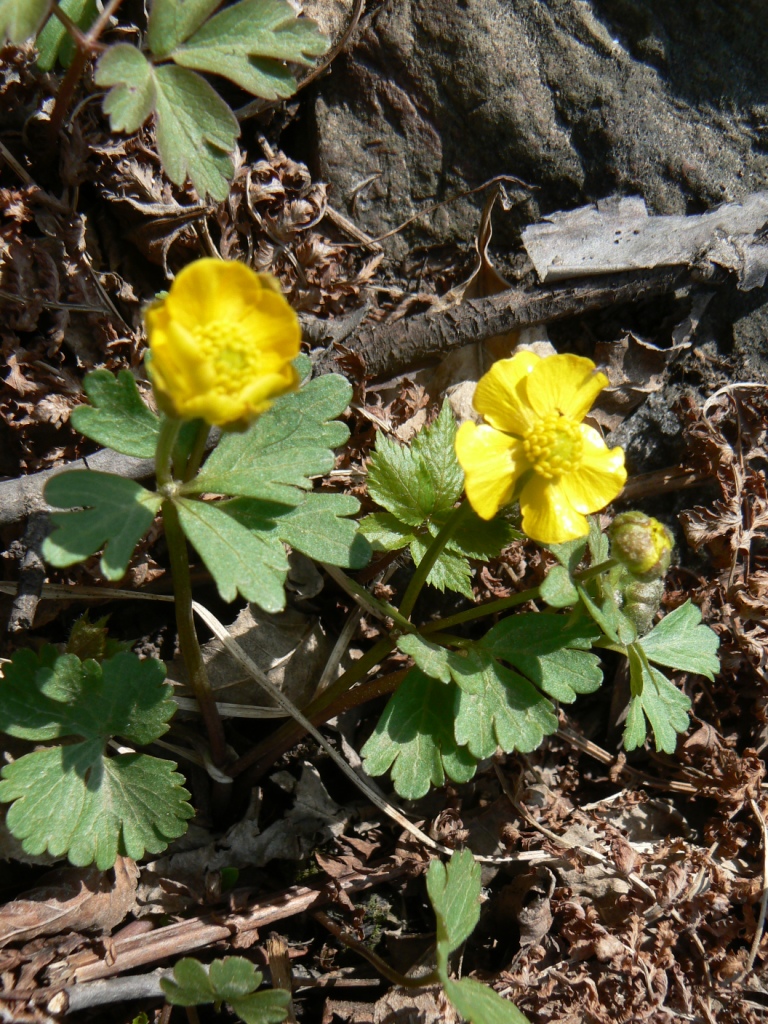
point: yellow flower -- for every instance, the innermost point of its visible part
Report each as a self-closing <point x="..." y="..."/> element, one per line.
<point x="533" y="446"/>
<point x="221" y="344"/>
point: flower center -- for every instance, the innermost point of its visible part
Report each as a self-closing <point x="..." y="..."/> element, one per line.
<point x="554" y="446"/>
<point x="230" y="351"/>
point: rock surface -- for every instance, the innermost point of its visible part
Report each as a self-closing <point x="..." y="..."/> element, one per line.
<point x="579" y="99"/>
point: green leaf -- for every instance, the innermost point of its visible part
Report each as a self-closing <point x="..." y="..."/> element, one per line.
<point x="196" y="131"/>
<point x="570" y="553"/>
<point x="288" y="445"/>
<point x="173" y="21"/>
<point x="117" y="416"/>
<point x="479" y="1004"/>
<point x="51" y="695"/>
<point x="232" y="979"/>
<point x="454" y="892"/>
<point x="450" y="572"/>
<point x="494" y="707"/>
<point x="655" y="698"/>
<point x="414" y="737"/>
<point x="21" y="19"/>
<point x="680" y="641"/>
<point x="385" y="532"/>
<point x="249" y="42"/>
<point x="557" y="589"/>
<point x="133" y="93"/>
<point x="72" y="799"/>
<point x="481" y="538"/>
<point x="319" y="527"/>
<point x="240" y="560"/>
<point x="55" y="42"/>
<point x="118" y="512"/>
<point x="422" y="481"/>
<point x="499" y="708"/>
<point x="551" y="650"/>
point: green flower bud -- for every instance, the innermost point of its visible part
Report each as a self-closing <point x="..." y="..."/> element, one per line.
<point x="643" y="545"/>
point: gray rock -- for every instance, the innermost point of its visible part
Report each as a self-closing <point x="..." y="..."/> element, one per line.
<point x="580" y="98"/>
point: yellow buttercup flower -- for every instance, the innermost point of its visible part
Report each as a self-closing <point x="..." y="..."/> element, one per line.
<point x="221" y="344"/>
<point x="534" y="447"/>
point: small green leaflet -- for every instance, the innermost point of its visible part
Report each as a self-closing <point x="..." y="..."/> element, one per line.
<point x="419" y="486"/>
<point x="117" y="416"/>
<point x="557" y="588"/>
<point x="292" y="442"/>
<point x="117" y="513"/>
<point x="609" y="617"/>
<point x="454" y="892"/>
<point x="414" y="737"/>
<point x="20" y="19"/>
<point x="248" y="43"/>
<point x="681" y="641"/>
<point x="72" y="799"/>
<point x="655" y="698"/>
<point x="233" y="980"/>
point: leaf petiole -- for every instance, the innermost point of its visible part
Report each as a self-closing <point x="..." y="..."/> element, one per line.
<point x="431" y="555"/>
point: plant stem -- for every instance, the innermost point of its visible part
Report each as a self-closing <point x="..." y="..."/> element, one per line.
<point x="166" y="442"/>
<point x="431" y="555"/>
<point x="87" y="45"/>
<point x="291" y="732"/>
<point x="373" y="958"/>
<point x="594" y="570"/>
<point x="197" y="452"/>
<point x="489" y="608"/>
<point x="366" y="600"/>
<point x="188" y="642"/>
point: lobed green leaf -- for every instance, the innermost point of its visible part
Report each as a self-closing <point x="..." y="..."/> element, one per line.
<point x="680" y="641"/>
<point x="117" y="416"/>
<point x="414" y="737"/>
<point x="249" y="42"/>
<point x="126" y="72"/>
<point x="232" y="979"/>
<point x="171" y="22"/>
<point x="655" y="698"/>
<point x="54" y="42"/>
<point x="116" y="515"/>
<point x="275" y="459"/>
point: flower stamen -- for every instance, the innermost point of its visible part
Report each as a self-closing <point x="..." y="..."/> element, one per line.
<point x="553" y="446"/>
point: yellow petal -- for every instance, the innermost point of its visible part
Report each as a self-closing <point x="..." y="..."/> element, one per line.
<point x="492" y="463"/>
<point x="548" y="515"/>
<point x="599" y="477"/>
<point x="564" y="384"/>
<point x="210" y="290"/>
<point x="500" y="396"/>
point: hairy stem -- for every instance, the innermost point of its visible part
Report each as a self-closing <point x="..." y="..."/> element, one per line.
<point x="481" y="610"/>
<point x="87" y="45"/>
<point x="188" y="642"/>
<point x="431" y="555"/>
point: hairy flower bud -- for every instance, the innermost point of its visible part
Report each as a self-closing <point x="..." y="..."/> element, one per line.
<point x="642" y="544"/>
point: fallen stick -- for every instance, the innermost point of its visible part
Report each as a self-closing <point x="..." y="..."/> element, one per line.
<point x="391" y="349"/>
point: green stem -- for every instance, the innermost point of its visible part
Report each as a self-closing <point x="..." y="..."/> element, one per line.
<point x="166" y="442"/>
<point x="373" y="958"/>
<point x="594" y="570"/>
<point x="188" y="642"/>
<point x="291" y="732"/>
<point x="489" y="608"/>
<point x="363" y="596"/>
<point x="197" y="452"/>
<point x="431" y="555"/>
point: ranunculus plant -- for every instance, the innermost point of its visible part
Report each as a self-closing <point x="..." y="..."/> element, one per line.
<point x="223" y="350"/>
